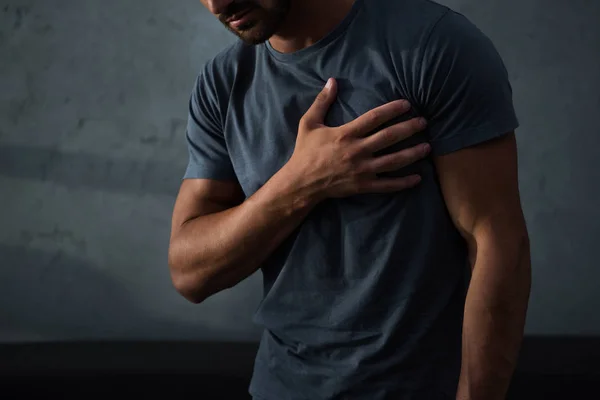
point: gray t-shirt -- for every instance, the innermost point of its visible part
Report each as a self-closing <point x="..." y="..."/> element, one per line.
<point x="365" y="299"/>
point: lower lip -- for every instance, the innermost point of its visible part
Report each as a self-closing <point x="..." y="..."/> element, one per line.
<point x="241" y="21"/>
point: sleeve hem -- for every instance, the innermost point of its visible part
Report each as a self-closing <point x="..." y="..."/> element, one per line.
<point x="202" y="173"/>
<point x="473" y="137"/>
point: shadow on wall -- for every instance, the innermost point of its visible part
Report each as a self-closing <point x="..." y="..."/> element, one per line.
<point x="47" y="296"/>
<point x="90" y="170"/>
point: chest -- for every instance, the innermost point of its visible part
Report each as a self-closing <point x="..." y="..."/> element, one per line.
<point x="265" y="111"/>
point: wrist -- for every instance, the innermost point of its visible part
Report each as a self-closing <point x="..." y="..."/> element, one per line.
<point x="292" y="184"/>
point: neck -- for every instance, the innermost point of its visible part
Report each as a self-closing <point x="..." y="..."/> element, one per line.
<point x="308" y="21"/>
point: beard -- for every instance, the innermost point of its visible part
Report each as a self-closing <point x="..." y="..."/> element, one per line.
<point x="261" y="22"/>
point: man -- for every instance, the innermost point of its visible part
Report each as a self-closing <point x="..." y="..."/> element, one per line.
<point x="362" y="219"/>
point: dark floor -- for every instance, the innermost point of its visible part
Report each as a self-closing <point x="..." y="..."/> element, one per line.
<point x="549" y="368"/>
<point x="208" y="387"/>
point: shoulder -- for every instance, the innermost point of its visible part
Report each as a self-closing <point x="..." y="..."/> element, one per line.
<point x="456" y="32"/>
<point x="218" y="75"/>
<point x="226" y="63"/>
<point x="404" y="22"/>
<point x="410" y="27"/>
<point x="421" y="11"/>
<point x="454" y="44"/>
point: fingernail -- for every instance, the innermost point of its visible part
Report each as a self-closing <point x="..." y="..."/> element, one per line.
<point x="404" y="104"/>
<point x="426" y="148"/>
<point x="423" y="122"/>
<point x="329" y="83"/>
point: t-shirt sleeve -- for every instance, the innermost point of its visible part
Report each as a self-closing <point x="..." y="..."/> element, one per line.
<point x="208" y="154"/>
<point x="464" y="89"/>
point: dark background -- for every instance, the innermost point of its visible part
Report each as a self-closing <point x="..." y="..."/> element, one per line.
<point x="93" y="102"/>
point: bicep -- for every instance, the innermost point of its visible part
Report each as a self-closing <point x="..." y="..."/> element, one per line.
<point x="198" y="197"/>
<point x="466" y="95"/>
<point x="480" y="188"/>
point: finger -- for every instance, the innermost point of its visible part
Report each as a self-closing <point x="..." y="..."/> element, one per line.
<point x="373" y="119"/>
<point x="390" y="185"/>
<point x="400" y="159"/>
<point x="317" y="112"/>
<point x="392" y="135"/>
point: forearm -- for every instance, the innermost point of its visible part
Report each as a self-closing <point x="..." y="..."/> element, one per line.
<point x="494" y="317"/>
<point x="216" y="251"/>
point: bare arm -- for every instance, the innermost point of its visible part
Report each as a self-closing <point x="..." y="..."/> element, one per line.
<point x="480" y="185"/>
<point x="218" y="240"/>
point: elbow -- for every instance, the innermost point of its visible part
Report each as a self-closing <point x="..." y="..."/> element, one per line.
<point x="190" y="290"/>
<point x="509" y="234"/>
<point x="503" y="239"/>
<point x="189" y="282"/>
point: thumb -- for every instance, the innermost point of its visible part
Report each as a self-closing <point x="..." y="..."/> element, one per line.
<point x="317" y="112"/>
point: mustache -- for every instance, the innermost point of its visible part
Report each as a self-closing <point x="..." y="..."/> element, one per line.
<point x="236" y="8"/>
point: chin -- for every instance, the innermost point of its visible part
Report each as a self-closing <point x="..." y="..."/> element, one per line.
<point x="255" y="32"/>
<point x="253" y="35"/>
<point x="253" y="39"/>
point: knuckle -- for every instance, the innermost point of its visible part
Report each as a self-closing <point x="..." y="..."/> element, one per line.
<point x="345" y="157"/>
<point x="417" y="124"/>
<point x="346" y="134"/>
<point x="391" y="135"/>
<point x="401" y="131"/>
<point x="375" y="116"/>
<point x="356" y="130"/>
<point x="305" y="121"/>
<point x="345" y="140"/>
<point x="321" y="97"/>
<point x="348" y="157"/>
<point x="384" y="135"/>
<point x="363" y="168"/>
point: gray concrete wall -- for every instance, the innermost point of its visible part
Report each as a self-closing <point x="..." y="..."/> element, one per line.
<point x="93" y="101"/>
